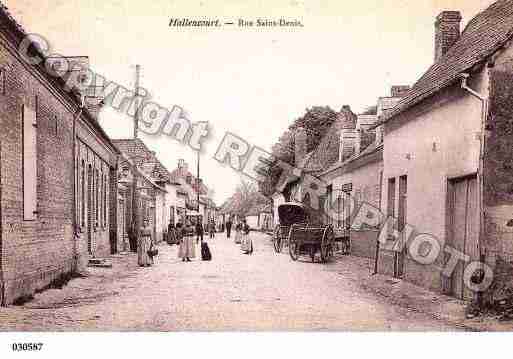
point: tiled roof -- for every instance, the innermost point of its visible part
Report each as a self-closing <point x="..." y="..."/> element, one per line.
<point x="327" y="152"/>
<point x="137" y="150"/>
<point x="483" y="36"/>
<point x="373" y="147"/>
<point x="179" y="176"/>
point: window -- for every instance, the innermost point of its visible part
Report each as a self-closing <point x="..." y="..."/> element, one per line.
<point x="82" y="194"/>
<point x="29" y="161"/>
<point x="96" y="197"/>
<point x="104" y="200"/>
<point x="100" y="198"/>
<point x="391" y="198"/>
<point x="328" y="208"/>
<point x="391" y="204"/>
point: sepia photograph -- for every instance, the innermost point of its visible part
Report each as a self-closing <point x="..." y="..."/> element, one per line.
<point x="316" y="171"/>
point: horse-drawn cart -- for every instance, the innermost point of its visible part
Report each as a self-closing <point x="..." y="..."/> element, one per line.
<point x="303" y="236"/>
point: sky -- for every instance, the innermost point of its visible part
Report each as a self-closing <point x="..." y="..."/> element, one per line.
<point x="249" y="81"/>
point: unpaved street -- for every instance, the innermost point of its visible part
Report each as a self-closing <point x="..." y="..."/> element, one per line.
<point x="263" y="291"/>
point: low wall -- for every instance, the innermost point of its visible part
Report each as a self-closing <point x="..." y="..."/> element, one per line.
<point x="363" y="243"/>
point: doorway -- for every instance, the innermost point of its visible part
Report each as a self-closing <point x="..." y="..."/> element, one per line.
<point x="88" y="209"/>
<point x="401" y="223"/>
<point x="463" y="230"/>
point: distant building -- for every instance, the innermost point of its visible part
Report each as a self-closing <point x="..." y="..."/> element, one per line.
<point x="153" y="187"/>
<point x="194" y="188"/>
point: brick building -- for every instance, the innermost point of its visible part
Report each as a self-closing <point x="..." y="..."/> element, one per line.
<point x="39" y="213"/>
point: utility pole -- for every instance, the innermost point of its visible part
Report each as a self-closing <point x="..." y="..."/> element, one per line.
<point x="199" y="182"/>
<point x="136" y="117"/>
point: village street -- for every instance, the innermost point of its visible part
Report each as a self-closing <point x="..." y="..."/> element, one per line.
<point x="263" y="291"/>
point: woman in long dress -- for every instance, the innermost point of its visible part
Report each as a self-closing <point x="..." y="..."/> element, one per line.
<point x="238" y="234"/>
<point x="144" y="245"/>
<point x="187" y="246"/>
<point x="247" y="243"/>
<point x="171" y="234"/>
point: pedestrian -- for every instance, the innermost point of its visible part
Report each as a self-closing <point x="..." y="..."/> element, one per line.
<point x="171" y="233"/>
<point x="179" y="232"/>
<point x="247" y="242"/>
<point x="144" y="244"/>
<point x="228" y="227"/>
<point x="187" y="248"/>
<point x="212" y="229"/>
<point x="238" y="232"/>
<point x="199" y="230"/>
<point x="132" y="237"/>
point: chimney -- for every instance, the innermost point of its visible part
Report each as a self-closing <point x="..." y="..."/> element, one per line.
<point x="358" y="141"/>
<point x="300" y="146"/>
<point x="379" y="134"/>
<point x="347" y="118"/>
<point x="79" y="66"/>
<point x="182" y="167"/>
<point x="153" y="157"/>
<point x="447" y="32"/>
<point x="348" y="143"/>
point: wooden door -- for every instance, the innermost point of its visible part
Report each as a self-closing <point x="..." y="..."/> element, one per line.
<point x="401" y="223"/>
<point x="120" y="238"/>
<point x="89" y="209"/>
<point x="463" y="233"/>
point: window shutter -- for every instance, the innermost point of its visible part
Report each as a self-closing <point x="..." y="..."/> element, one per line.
<point x="29" y="164"/>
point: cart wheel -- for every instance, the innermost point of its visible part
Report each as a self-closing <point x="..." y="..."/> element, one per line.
<point x="278" y="242"/>
<point x="327" y="244"/>
<point x="293" y="250"/>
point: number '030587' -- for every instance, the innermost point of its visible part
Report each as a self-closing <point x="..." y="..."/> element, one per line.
<point x="23" y="347"/>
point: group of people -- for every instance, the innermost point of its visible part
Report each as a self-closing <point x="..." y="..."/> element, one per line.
<point x="242" y="237"/>
<point x="184" y="236"/>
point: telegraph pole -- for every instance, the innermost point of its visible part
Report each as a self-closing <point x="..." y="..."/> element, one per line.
<point x="199" y="182"/>
<point x="136" y="117"/>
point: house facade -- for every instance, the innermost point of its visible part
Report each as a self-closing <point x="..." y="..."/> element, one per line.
<point x="446" y="164"/>
<point x="192" y="189"/>
<point x="57" y="166"/>
<point x="147" y="187"/>
<point x="357" y="178"/>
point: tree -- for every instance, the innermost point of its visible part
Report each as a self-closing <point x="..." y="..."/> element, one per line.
<point x="245" y="198"/>
<point x="316" y="121"/>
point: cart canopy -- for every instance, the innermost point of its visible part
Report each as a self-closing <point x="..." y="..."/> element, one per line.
<point x="290" y="213"/>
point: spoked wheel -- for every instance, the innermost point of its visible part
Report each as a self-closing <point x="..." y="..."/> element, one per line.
<point x="328" y="239"/>
<point x="278" y="239"/>
<point x="293" y="250"/>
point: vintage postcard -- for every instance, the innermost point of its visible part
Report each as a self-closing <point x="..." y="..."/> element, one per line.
<point x="269" y="166"/>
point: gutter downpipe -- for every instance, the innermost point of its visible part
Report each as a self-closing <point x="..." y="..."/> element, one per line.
<point x="76" y="234"/>
<point x="484" y="115"/>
